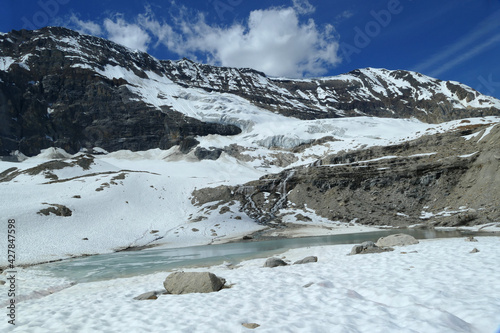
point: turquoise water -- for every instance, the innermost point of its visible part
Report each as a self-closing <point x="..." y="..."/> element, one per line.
<point x="132" y="263"/>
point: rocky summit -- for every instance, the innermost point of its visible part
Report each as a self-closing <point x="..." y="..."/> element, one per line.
<point x="119" y="150"/>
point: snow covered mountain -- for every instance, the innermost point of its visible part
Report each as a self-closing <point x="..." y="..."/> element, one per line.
<point x="59" y="88"/>
<point x="105" y="148"/>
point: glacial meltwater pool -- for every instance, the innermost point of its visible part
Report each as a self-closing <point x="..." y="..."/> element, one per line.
<point x="152" y="260"/>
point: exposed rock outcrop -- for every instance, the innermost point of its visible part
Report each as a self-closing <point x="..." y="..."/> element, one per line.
<point x="449" y="179"/>
<point x="57" y="98"/>
<point x="56" y="209"/>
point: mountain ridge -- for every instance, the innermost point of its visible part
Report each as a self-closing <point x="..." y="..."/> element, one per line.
<point x="64" y="89"/>
<point x="126" y="151"/>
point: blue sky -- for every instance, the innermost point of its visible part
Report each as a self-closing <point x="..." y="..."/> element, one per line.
<point x="447" y="39"/>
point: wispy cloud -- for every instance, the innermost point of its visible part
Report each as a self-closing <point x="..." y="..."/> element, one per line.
<point x="303" y="7"/>
<point x="466" y="56"/>
<point x="277" y="41"/>
<point x="86" y="27"/>
<point x="454" y="54"/>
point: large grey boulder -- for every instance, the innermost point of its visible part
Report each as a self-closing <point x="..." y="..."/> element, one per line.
<point x="306" y="260"/>
<point x="396" y="240"/>
<point x="193" y="282"/>
<point x="274" y="262"/>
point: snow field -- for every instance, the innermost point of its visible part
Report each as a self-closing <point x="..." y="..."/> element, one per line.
<point x="439" y="288"/>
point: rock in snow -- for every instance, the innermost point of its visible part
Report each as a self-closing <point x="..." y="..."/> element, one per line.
<point x="306" y="260"/>
<point x="274" y="262"/>
<point x="250" y="325"/>
<point x="396" y="240"/>
<point x="368" y="247"/>
<point x="151" y="295"/>
<point x="193" y="282"/>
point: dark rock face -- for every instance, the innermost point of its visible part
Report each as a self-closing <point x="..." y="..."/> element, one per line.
<point x="53" y="95"/>
<point x="429" y="180"/>
<point x="206" y="154"/>
<point x="52" y="101"/>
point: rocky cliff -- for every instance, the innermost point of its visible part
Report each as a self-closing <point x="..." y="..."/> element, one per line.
<point x="448" y="179"/>
<point x="59" y="88"/>
<point x="52" y="96"/>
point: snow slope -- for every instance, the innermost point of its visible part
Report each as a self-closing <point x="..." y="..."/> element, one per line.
<point x="128" y="199"/>
<point x="434" y="286"/>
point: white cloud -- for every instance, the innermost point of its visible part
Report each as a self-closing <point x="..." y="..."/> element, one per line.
<point x="86" y="27"/>
<point x="130" y="35"/>
<point x="275" y="41"/>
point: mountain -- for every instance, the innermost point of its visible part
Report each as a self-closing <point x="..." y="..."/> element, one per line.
<point x="103" y="148"/>
<point x="448" y="179"/>
<point x="59" y="88"/>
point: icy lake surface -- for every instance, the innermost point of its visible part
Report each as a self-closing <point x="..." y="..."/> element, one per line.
<point x="148" y="261"/>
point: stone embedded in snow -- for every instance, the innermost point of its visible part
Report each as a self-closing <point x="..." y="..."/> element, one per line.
<point x="357" y="249"/>
<point x="396" y="240"/>
<point x="474" y="250"/>
<point x="470" y="239"/>
<point x="306" y="260"/>
<point x="152" y="295"/>
<point x="250" y="325"/>
<point x="274" y="262"/>
<point x="193" y="282"/>
<point x="58" y="210"/>
<point x="368" y="247"/>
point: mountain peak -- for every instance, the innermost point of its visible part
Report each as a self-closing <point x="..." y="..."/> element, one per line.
<point x="59" y="87"/>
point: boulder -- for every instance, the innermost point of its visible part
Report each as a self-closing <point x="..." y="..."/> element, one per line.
<point x="396" y="240"/>
<point x="474" y="250"/>
<point x="470" y="239"/>
<point x="207" y="154"/>
<point x="368" y="247"/>
<point x="250" y="325"/>
<point x="193" y="282"/>
<point x="306" y="260"/>
<point x="274" y="262"/>
<point x="152" y="295"/>
<point x="357" y="249"/>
